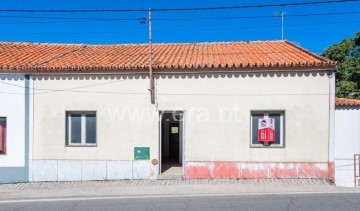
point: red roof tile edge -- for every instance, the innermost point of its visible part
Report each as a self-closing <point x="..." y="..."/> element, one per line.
<point x="347" y="102"/>
<point x="317" y="61"/>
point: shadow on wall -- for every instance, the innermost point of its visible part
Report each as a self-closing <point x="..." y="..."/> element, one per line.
<point x="349" y="108"/>
<point x="12" y="77"/>
<point x="175" y="75"/>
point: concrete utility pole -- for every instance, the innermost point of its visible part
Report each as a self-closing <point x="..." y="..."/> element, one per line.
<point x="152" y="91"/>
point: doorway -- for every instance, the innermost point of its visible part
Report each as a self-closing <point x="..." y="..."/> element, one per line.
<point x="171" y="156"/>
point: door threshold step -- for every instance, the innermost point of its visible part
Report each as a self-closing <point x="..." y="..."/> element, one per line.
<point x="169" y="177"/>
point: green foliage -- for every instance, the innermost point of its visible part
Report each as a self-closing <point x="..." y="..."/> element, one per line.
<point x="347" y="53"/>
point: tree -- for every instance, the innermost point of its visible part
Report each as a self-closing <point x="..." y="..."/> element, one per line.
<point x="347" y="53"/>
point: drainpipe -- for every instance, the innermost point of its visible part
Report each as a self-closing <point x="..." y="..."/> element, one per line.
<point x="331" y="162"/>
<point x="151" y="89"/>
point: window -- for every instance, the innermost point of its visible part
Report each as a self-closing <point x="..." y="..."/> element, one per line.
<point x="81" y="129"/>
<point x="2" y="135"/>
<point x="275" y="136"/>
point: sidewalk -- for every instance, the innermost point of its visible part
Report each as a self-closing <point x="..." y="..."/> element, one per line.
<point x="129" y="188"/>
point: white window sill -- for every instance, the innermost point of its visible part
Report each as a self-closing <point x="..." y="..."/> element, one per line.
<point x="81" y="145"/>
<point x="261" y="146"/>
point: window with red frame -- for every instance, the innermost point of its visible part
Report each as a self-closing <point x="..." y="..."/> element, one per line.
<point x="2" y="135"/>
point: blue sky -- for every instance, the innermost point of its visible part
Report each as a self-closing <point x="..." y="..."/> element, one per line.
<point x="313" y="32"/>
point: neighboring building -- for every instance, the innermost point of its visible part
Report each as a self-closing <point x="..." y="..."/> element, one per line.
<point x="347" y="141"/>
<point x="93" y="119"/>
<point x="14" y="128"/>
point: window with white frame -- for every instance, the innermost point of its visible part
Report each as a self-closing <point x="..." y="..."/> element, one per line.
<point x="2" y="135"/>
<point x="81" y="129"/>
<point x="267" y="129"/>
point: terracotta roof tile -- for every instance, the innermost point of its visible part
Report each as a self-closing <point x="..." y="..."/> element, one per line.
<point x="346" y="102"/>
<point x="79" y="57"/>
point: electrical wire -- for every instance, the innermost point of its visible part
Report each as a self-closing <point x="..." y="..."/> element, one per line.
<point x="77" y="21"/>
<point x="141" y="93"/>
<point x="178" y="9"/>
<point x="86" y="19"/>
<point x="69" y="89"/>
<point x="62" y="18"/>
<point x="255" y="17"/>
<point x="239" y="28"/>
<point x="166" y="94"/>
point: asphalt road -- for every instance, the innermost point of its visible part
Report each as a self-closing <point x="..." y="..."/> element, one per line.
<point x="333" y="201"/>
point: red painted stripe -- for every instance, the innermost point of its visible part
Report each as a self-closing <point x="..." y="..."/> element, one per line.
<point x="226" y="170"/>
<point x="259" y="170"/>
<point x="198" y="170"/>
<point x="255" y="170"/>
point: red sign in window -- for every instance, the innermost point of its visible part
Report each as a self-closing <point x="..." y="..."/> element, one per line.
<point x="266" y="131"/>
<point x="2" y="136"/>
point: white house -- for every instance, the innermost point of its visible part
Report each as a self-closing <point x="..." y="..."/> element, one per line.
<point x="15" y="108"/>
<point x="262" y="109"/>
<point x="347" y="142"/>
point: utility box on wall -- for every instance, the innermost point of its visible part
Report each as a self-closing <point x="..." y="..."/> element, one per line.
<point x="141" y="153"/>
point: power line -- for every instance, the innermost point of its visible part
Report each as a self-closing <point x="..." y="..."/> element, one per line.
<point x="83" y="20"/>
<point x="197" y="29"/>
<point x="172" y="94"/>
<point x="58" y="18"/>
<point x="71" y="90"/>
<point x="165" y="94"/>
<point x="140" y="93"/>
<point x="255" y="17"/>
<point x="175" y="19"/>
<point x="256" y="27"/>
<point x="78" y="21"/>
<point x="56" y="90"/>
<point x="182" y="9"/>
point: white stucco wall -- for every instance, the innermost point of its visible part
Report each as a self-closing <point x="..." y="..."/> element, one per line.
<point x="217" y="123"/>
<point x="303" y="98"/>
<point x="347" y="143"/>
<point x="115" y="101"/>
<point x="12" y="106"/>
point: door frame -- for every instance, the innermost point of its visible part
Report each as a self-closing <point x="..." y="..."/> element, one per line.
<point x="181" y="137"/>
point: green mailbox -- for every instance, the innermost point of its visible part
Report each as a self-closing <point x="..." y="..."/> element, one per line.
<point x="142" y="153"/>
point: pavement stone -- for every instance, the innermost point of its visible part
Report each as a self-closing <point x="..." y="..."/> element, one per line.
<point x="120" y="183"/>
<point x="165" y="187"/>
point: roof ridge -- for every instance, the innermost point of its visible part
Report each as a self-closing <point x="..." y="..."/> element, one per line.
<point x="161" y="43"/>
<point x="39" y="43"/>
<point x="217" y="42"/>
